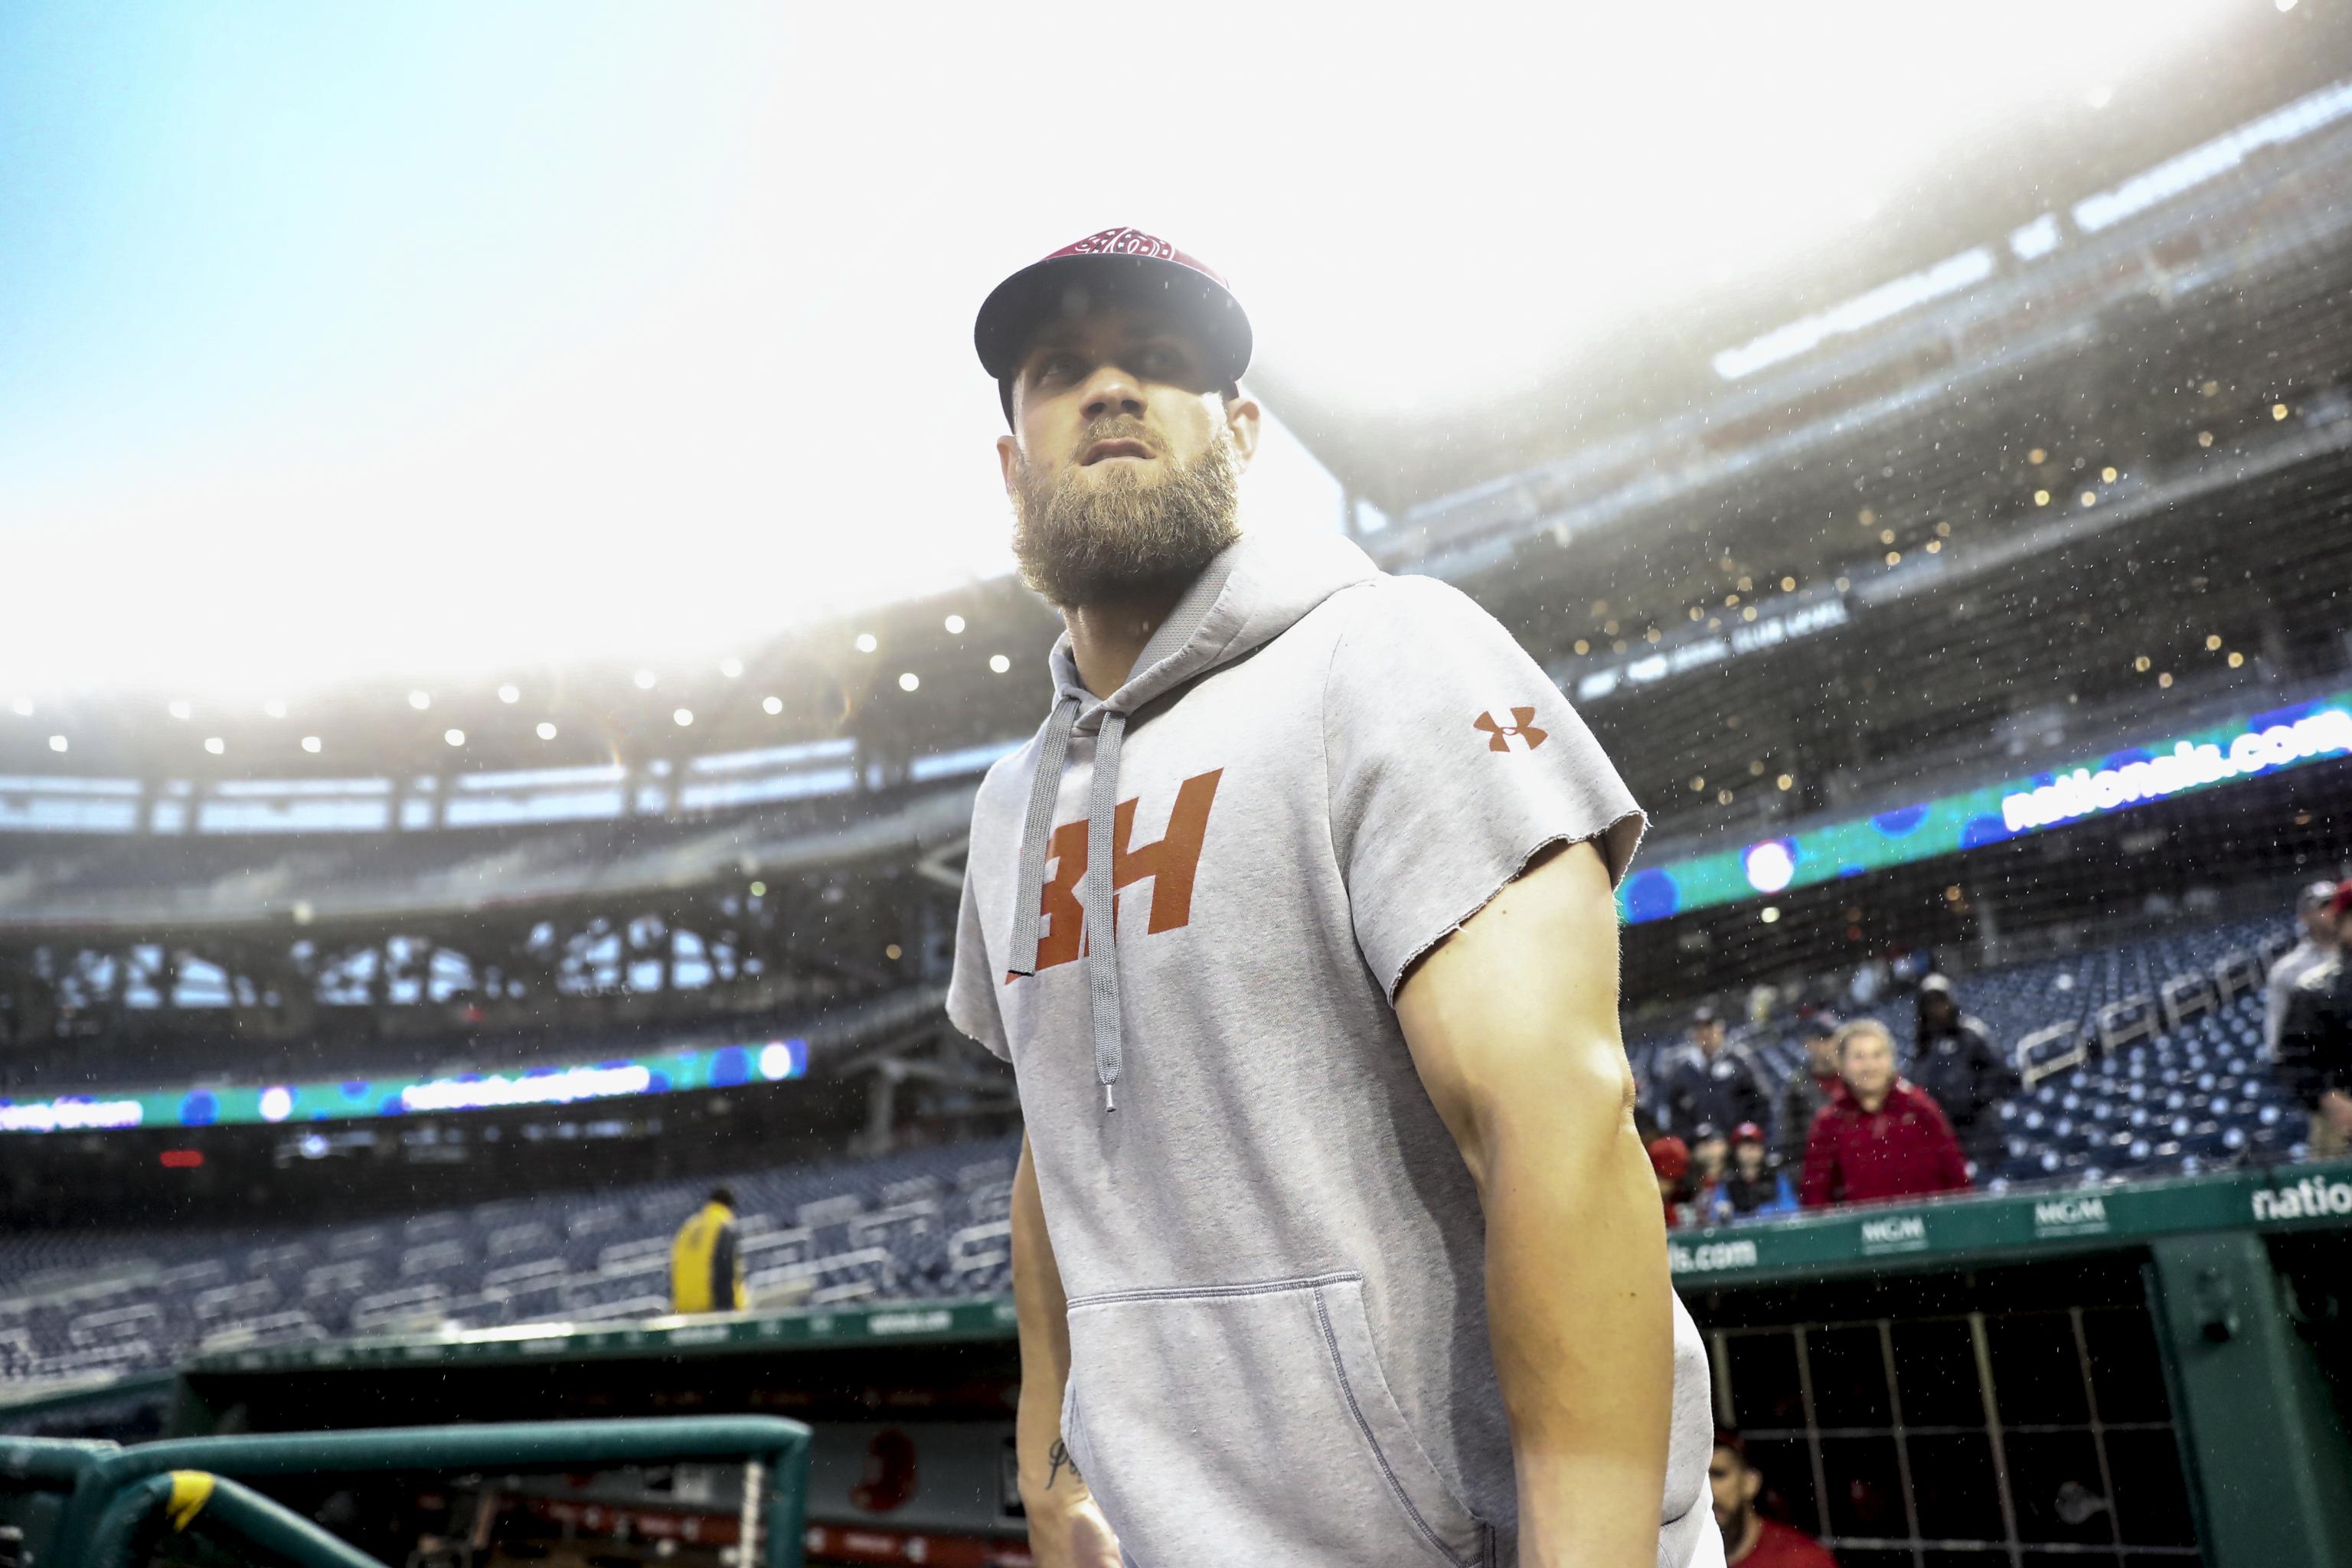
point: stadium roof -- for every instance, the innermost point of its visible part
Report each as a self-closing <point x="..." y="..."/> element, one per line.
<point x="360" y="347"/>
<point x="1602" y="364"/>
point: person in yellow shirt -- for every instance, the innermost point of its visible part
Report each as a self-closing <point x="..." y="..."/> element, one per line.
<point x="705" y="1269"/>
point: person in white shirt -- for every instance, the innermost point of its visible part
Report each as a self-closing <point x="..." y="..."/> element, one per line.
<point x="2314" y="949"/>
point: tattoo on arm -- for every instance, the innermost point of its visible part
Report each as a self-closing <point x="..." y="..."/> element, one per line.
<point x="1060" y="1456"/>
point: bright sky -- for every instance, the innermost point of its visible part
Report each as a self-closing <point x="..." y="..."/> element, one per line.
<point x="435" y="338"/>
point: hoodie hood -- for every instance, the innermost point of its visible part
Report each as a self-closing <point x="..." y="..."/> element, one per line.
<point x="1254" y="589"/>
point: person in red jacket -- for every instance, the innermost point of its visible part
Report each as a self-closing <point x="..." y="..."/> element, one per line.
<point x="1878" y="1137"/>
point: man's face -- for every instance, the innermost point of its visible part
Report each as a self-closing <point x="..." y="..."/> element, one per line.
<point x="1938" y="1006"/>
<point x="1820" y="1053"/>
<point x="1750" y="1155"/>
<point x="1868" y="1063"/>
<point x="1124" y="460"/>
<point x="2323" y="927"/>
<point x="1734" y="1486"/>
<point x="1708" y="1155"/>
<point x="1707" y="1036"/>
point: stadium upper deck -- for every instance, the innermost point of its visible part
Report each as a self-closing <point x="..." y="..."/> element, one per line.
<point x="1932" y="547"/>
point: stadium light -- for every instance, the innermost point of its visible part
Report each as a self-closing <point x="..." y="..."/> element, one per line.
<point x="731" y="666"/>
<point x="275" y="707"/>
<point x="215" y="745"/>
<point x="23" y="707"/>
<point x="908" y="681"/>
<point x="865" y="643"/>
<point x="455" y="737"/>
<point x="311" y="744"/>
<point x="56" y="743"/>
<point x="999" y="663"/>
<point x="509" y="693"/>
<point x="682" y="718"/>
<point x="1771" y="866"/>
<point x="180" y="709"/>
<point x="955" y="625"/>
<point x="546" y="731"/>
<point x="645" y="679"/>
<point x="419" y="701"/>
<point x="773" y="704"/>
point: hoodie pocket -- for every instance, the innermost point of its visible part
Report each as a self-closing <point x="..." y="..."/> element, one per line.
<point x="1252" y="1422"/>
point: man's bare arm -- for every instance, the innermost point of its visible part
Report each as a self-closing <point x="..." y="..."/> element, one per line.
<point x="1512" y="1022"/>
<point x="1066" y="1528"/>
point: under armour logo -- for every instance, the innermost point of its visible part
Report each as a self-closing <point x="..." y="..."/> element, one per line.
<point x="1519" y="734"/>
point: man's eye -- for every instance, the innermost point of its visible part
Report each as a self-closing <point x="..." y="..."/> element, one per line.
<point x="1057" y="366"/>
<point x="1159" y="362"/>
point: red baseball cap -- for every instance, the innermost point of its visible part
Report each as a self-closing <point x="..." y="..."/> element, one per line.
<point x="1116" y="262"/>
<point x="2343" y="904"/>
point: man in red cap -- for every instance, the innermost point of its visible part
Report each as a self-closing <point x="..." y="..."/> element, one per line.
<point x="1333" y="1239"/>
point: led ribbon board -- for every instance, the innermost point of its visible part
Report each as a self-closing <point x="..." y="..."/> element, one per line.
<point x="2257" y="744"/>
<point x="345" y="1100"/>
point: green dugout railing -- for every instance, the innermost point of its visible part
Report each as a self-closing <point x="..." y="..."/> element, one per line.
<point x="111" y="1492"/>
<point x="36" y="1475"/>
<point x="226" y="1508"/>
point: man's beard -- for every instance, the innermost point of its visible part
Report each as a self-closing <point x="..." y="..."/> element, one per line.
<point x="1099" y="539"/>
<point x="1733" y="1528"/>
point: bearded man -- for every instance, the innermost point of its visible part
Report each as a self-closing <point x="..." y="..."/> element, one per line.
<point x="1333" y="1239"/>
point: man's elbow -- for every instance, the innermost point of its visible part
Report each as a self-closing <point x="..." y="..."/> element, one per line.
<point x="1587" y="1096"/>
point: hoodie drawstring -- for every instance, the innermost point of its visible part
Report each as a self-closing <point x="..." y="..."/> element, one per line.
<point x="1101" y="942"/>
<point x="1037" y="832"/>
<point x="1102" y="952"/>
<point x="1094" y="889"/>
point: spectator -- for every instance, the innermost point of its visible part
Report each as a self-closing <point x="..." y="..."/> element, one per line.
<point x="1955" y="1059"/>
<point x="1670" y="1162"/>
<point x="2316" y="946"/>
<point x="1710" y="1163"/>
<point x="1752" y="1185"/>
<point x="2315" y="1047"/>
<point x="1808" y="1090"/>
<point x="705" y="1271"/>
<point x="1878" y="1137"/>
<point x="1713" y="1087"/>
<point x="1749" y="1539"/>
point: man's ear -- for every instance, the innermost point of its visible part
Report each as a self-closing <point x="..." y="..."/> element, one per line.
<point x="1751" y="1482"/>
<point x="1008" y="456"/>
<point x="1241" y="416"/>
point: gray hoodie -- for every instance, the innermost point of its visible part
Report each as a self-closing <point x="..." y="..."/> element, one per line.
<point x="1272" y="1251"/>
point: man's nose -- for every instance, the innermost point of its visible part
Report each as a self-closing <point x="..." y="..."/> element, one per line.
<point x="1110" y="391"/>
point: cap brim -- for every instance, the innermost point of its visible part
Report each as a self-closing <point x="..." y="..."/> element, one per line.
<point x="1063" y="288"/>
